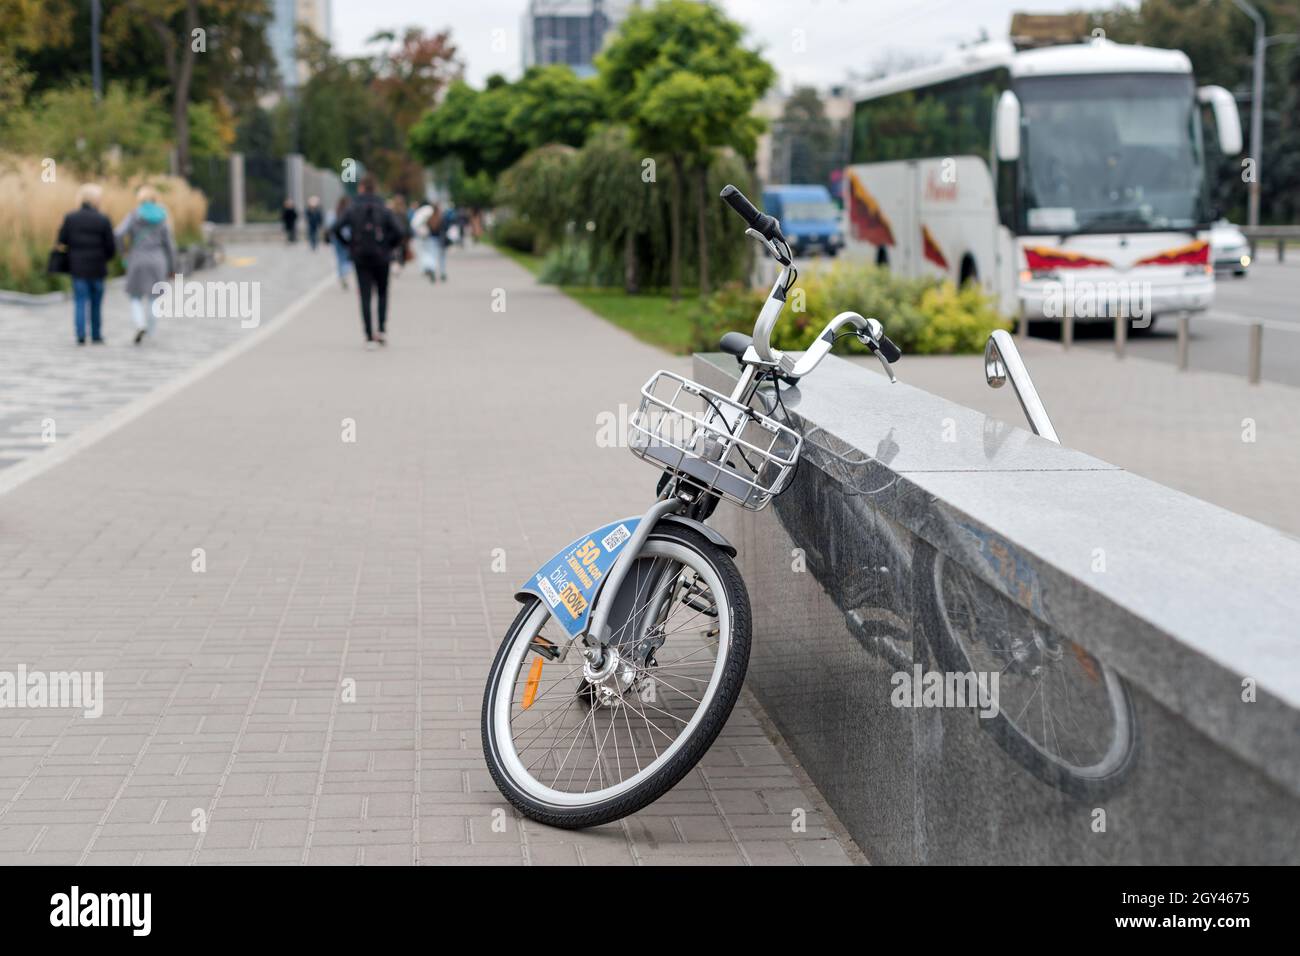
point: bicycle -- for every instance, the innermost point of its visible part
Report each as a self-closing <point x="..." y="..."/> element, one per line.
<point x="648" y="691"/>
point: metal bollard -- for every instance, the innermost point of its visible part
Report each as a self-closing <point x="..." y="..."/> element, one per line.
<point x="1067" y="329"/>
<point x="1121" y="334"/>
<point x="1256" y="352"/>
<point x="1281" y="250"/>
<point x="1184" y="333"/>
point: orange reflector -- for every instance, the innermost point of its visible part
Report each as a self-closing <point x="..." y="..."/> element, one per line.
<point x="534" y="678"/>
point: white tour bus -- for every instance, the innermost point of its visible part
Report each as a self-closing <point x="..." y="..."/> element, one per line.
<point x="1067" y="179"/>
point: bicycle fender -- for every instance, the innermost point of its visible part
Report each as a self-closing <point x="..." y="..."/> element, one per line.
<point x="714" y="536"/>
<point x="568" y="583"/>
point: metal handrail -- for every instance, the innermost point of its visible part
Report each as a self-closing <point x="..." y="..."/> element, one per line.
<point x="1002" y="361"/>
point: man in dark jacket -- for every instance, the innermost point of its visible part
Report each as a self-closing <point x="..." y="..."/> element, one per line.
<point x="87" y="234"/>
<point x="289" y="219"/>
<point x="373" y="231"/>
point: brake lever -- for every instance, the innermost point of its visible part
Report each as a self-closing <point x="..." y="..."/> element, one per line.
<point x="777" y="254"/>
<point x="872" y="342"/>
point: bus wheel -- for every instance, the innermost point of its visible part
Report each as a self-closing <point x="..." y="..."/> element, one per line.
<point x="968" y="271"/>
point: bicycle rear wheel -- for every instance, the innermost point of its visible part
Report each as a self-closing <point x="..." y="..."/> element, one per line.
<point x="574" y="746"/>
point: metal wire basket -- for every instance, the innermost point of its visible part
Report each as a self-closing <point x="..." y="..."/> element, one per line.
<point x="712" y="442"/>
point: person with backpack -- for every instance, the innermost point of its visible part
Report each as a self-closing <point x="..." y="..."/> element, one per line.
<point x="375" y="232"/>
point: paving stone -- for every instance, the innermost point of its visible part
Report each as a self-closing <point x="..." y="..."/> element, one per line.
<point x="331" y="567"/>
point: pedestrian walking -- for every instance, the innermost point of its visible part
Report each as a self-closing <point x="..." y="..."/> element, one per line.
<point x="423" y="228"/>
<point x="438" y="244"/>
<point x="402" y="254"/>
<point x="289" y="219"/>
<point x="342" y="260"/>
<point x="375" y="233"/>
<point x="151" y="257"/>
<point x="87" y="235"/>
<point x="314" y="217"/>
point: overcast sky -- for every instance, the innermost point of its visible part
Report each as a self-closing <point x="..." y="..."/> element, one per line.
<point x="838" y="35"/>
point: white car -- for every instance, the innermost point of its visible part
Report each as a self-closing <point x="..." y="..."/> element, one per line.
<point x="1229" y="248"/>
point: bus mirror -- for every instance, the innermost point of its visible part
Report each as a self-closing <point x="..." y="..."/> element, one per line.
<point x="1226" y="117"/>
<point x="1008" y="127"/>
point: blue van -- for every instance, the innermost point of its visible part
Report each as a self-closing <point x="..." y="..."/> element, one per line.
<point x="808" y="216"/>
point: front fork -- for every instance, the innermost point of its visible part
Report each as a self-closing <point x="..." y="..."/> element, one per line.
<point x="597" y="635"/>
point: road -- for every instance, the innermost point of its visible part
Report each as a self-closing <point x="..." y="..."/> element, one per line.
<point x="1271" y="291"/>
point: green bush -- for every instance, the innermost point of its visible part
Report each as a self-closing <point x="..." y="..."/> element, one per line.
<point x="571" y="263"/>
<point x="515" y="233"/>
<point x="923" y="316"/>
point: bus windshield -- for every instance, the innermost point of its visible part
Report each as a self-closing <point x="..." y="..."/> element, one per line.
<point x="1111" y="153"/>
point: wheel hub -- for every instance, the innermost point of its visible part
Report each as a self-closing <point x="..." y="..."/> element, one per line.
<point x="611" y="679"/>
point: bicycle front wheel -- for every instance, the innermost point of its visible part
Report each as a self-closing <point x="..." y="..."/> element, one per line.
<point x="572" y="745"/>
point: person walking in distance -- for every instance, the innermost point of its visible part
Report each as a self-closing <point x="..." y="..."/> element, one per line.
<point x="289" y="219"/>
<point x="151" y="259"/>
<point x="375" y="233"/>
<point x="87" y="234"/>
<point x="422" y="222"/>
<point x="314" y="218"/>
<point x="342" y="259"/>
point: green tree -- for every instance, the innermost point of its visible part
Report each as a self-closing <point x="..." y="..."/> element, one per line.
<point x="220" y="39"/>
<point x="125" y="131"/>
<point x="472" y="126"/>
<point x="489" y="130"/>
<point x="679" y="76"/>
<point x="552" y="104"/>
<point x="362" y="107"/>
<point x="540" y="187"/>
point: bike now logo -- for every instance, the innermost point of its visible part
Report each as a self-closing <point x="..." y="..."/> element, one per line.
<point x="968" y="689"/>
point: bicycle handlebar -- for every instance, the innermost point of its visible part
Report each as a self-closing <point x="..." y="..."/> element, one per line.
<point x="765" y="225"/>
<point x="869" y="331"/>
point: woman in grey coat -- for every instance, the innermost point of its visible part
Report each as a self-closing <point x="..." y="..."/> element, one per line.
<point x="151" y="258"/>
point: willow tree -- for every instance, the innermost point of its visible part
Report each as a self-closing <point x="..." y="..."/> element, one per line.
<point x="540" y="187"/>
<point x="679" y="76"/>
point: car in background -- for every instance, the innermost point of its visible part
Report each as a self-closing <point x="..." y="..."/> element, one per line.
<point x="808" y="216"/>
<point x="1229" y="248"/>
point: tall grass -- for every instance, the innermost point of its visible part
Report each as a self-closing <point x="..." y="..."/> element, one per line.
<point x="31" y="211"/>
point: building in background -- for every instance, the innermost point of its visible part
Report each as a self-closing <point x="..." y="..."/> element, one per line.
<point x="286" y="17"/>
<point x="569" y="31"/>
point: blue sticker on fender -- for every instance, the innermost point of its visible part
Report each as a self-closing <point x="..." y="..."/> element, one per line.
<point x="569" y="581"/>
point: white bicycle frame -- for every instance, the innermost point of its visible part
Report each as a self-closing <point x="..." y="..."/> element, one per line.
<point x="760" y="357"/>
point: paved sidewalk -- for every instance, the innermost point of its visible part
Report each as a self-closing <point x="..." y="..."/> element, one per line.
<point x="333" y="565"/>
<point x="45" y="375"/>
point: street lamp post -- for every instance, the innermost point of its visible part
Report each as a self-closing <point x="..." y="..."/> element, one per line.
<point x="1256" y="109"/>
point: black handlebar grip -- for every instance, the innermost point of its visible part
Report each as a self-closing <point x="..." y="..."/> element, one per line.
<point x="889" y="350"/>
<point x="764" y="225"/>
<point x="737" y="200"/>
